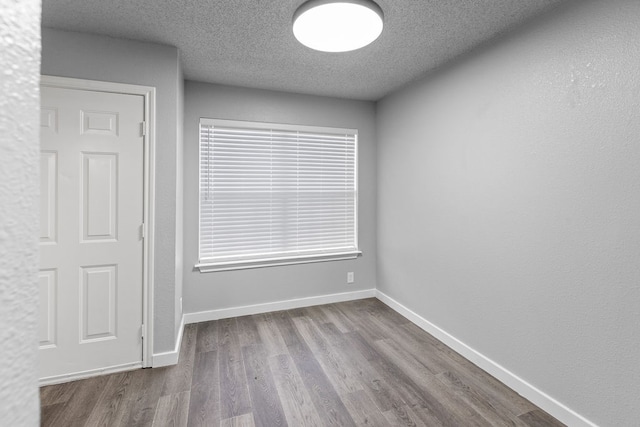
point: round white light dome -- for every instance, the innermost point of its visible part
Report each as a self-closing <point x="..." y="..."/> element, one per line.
<point x="337" y="25"/>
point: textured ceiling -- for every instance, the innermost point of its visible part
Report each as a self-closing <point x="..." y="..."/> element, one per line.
<point x="250" y="42"/>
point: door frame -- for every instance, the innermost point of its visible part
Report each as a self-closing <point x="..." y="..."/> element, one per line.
<point x="149" y="167"/>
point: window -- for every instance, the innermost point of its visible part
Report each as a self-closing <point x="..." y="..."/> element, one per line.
<point x="274" y="194"/>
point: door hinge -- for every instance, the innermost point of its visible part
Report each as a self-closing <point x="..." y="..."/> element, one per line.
<point x="143" y="128"/>
<point x="143" y="331"/>
<point x="143" y="228"/>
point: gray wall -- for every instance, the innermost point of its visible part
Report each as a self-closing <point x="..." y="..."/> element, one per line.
<point x="509" y="201"/>
<point x="19" y="219"/>
<point x="179" y="273"/>
<point x="210" y="291"/>
<point x="71" y="54"/>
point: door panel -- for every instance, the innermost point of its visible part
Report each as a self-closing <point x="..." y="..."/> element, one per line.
<point x="98" y="299"/>
<point x="48" y="196"/>
<point x="91" y="248"/>
<point x="48" y="286"/>
<point x="99" y="196"/>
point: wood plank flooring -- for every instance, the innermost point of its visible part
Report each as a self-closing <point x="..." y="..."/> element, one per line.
<point x="356" y="363"/>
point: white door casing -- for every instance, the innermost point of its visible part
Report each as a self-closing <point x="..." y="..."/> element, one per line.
<point x="95" y="211"/>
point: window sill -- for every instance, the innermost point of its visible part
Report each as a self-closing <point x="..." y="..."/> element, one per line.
<point x="211" y="267"/>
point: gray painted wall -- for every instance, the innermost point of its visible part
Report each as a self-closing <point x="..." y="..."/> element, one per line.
<point x="179" y="273"/>
<point x="210" y="291"/>
<point x="509" y="200"/>
<point x="19" y="218"/>
<point x="79" y="55"/>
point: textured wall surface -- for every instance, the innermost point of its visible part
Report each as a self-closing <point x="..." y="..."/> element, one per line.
<point x="19" y="187"/>
<point x="92" y="57"/>
<point x="509" y="201"/>
<point x="210" y="291"/>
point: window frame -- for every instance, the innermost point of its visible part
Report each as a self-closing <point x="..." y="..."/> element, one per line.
<point x="206" y="266"/>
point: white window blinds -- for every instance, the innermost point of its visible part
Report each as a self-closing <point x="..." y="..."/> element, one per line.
<point x="272" y="194"/>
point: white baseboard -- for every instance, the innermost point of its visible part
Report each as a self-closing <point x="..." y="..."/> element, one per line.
<point x="170" y="357"/>
<point x="520" y="386"/>
<point x="224" y="313"/>
<point x="58" y="379"/>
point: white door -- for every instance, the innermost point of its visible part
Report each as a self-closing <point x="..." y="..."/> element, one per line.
<point x="91" y="242"/>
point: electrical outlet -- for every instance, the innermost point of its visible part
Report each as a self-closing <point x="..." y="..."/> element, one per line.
<point x="350" y="277"/>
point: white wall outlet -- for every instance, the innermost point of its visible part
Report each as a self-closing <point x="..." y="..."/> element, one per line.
<point x="350" y="277"/>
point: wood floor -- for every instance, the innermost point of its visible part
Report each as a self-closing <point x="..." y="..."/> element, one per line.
<point x="353" y="363"/>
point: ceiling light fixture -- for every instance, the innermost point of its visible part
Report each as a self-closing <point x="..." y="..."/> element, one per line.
<point x="337" y="25"/>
